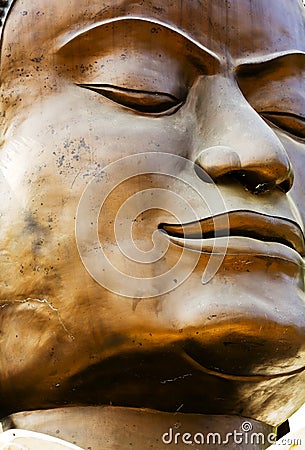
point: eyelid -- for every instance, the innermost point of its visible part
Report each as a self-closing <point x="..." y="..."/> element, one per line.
<point x="146" y="102"/>
<point x="289" y="122"/>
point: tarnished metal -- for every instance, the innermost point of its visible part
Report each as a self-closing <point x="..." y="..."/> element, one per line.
<point x="152" y="211"/>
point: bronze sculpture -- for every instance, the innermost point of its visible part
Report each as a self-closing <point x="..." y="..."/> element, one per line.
<point x="218" y="83"/>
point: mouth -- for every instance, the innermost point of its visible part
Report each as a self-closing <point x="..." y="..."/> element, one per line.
<point x="238" y="224"/>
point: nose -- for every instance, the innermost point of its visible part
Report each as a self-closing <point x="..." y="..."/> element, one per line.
<point x="233" y="140"/>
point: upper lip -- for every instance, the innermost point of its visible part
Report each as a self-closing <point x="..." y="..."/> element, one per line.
<point x="242" y="223"/>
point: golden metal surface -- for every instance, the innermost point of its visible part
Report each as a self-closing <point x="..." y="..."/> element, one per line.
<point x="205" y="100"/>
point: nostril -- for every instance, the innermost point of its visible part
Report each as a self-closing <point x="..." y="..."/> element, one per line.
<point x="286" y="185"/>
<point x="252" y="182"/>
<point x="261" y="188"/>
<point x="258" y="177"/>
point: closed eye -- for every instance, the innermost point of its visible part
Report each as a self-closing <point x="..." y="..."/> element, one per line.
<point x="292" y="123"/>
<point x="141" y="101"/>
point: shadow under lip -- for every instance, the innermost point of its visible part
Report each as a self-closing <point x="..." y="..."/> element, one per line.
<point x="160" y="379"/>
<point x="248" y="378"/>
<point x="241" y="223"/>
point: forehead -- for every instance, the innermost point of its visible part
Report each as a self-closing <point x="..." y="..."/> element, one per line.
<point x="238" y="28"/>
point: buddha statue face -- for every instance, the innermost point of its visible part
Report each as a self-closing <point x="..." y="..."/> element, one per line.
<point x="218" y="85"/>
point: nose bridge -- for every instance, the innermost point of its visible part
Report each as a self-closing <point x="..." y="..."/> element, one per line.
<point x="233" y="137"/>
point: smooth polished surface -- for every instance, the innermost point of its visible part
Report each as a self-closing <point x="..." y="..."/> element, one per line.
<point x="218" y="83"/>
<point x="115" y="428"/>
<point x="29" y="440"/>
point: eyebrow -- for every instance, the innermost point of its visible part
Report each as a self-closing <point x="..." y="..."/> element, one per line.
<point x="240" y="63"/>
<point x="66" y="38"/>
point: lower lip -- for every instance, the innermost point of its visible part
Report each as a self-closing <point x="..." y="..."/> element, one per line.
<point x="239" y="245"/>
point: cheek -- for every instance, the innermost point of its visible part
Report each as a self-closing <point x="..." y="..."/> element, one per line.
<point x="94" y="127"/>
<point x="53" y="150"/>
<point x="50" y="154"/>
<point x="64" y="140"/>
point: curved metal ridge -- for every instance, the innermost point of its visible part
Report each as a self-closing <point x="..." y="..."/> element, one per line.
<point x="4" y="7"/>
